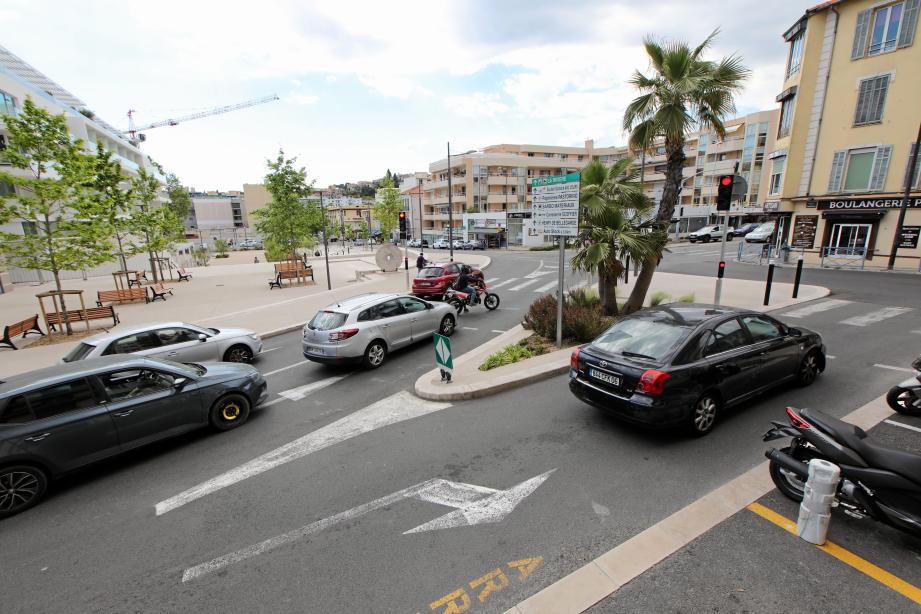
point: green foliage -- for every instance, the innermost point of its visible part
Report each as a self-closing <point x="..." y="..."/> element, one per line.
<point x="200" y="256"/>
<point x="585" y="297"/>
<point x="580" y="323"/>
<point x="289" y="221"/>
<point x="221" y="247"/>
<point x="545" y="248"/>
<point x="155" y="228"/>
<point x="472" y="209"/>
<point x="349" y="233"/>
<point x="506" y="356"/>
<point x="687" y="298"/>
<point x="363" y="231"/>
<point x="658" y="298"/>
<point x="114" y="192"/>
<point x="179" y="200"/>
<point x="387" y="209"/>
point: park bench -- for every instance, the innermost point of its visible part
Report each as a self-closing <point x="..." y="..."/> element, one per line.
<point x="82" y="315"/>
<point x="29" y="325"/>
<point x="139" y="279"/>
<point x="159" y="291"/>
<point x="183" y="274"/>
<point x="291" y="270"/>
<point x="121" y="296"/>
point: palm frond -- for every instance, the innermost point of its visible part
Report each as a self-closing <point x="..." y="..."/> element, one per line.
<point x="654" y="51"/>
<point x="643" y="134"/>
<point x="707" y="42"/>
<point x="640" y="109"/>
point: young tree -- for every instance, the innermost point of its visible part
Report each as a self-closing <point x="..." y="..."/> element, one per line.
<point x="156" y="227"/>
<point x="114" y="193"/>
<point x="290" y="220"/>
<point x="387" y="209"/>
<point x="221" y="247"/>
<point x="348" y="233"/>
<point x="684" y="94"/>
<point x="179" y="200"/>
<point x="363" y="231"/>
<point x="65" y="227"/>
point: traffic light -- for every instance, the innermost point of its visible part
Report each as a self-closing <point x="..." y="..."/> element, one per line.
<point x="402" y="225"/>
<point x="724" y="192"/>
<point x="721" y="269"/>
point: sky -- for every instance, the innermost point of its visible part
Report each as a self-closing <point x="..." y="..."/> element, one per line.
<point x="367" y="86"/>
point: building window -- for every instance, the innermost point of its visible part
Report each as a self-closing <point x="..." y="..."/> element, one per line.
<point x="885" y="28"/>
<point x="786" y="116"/>
<point x="795" y="61"/>
<point x="581" y="157"/>
<point x="860" y="169"/>
<point x="871" y="98"/>
<point x="916" y="177"/>
<point x="7" y="104"/>
<point x="7" y="189"/>
<point x="777" y="175"/>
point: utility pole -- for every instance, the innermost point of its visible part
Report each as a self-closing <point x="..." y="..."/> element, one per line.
<point x="909" y="182"/>
<point x="421" y="247"/>
<point x="329" y="282"/>
<point x="722" y="266"/>
<point x="450" y="209"/>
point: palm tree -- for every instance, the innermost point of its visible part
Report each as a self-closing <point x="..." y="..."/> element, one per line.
<point x="612" y="226"/>
<point x="685" y="93"/>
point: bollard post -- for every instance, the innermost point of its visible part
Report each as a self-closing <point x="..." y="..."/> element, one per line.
<point x="799" y="275"/>
<point x="818" y="496"/>
<point x="767" y="286"/>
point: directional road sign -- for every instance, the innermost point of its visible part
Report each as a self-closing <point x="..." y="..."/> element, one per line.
<point x="556" y="204"/>
<point x="443" y="352"/>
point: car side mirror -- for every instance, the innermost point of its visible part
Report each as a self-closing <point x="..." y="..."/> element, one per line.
<point x="429" y="306"/>
<point x="795" y="332"/>
<point x="180" y="382"/>
<point x="202" y="337"/>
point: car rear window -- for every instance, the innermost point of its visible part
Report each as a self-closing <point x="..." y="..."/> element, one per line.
<point x="79" y="353"/>
<point x="432" y="271"/>
<point x="641" y="338"/>
<point x="327" y="320"/>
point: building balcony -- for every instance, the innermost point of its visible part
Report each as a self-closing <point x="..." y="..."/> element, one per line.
<point x="728" y="145"/>
<point x="721" y="167"/>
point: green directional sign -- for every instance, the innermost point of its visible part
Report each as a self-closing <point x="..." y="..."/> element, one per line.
<point x="443" y="352"/>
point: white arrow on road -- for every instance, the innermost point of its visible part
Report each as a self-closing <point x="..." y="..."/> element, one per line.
<point x="474" y="505"/>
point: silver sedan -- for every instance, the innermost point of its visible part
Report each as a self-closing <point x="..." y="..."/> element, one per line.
<point x="178" y="341"/>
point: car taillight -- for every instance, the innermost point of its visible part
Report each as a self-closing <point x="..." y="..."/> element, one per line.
<point x="342" y="335"/>
<point x="574" y="360"/>
<point x="796" y="421"/>
<point x="652" y="382"/>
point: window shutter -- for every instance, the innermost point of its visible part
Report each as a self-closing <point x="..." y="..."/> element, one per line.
<point x="860" y="34"/>
<point x="911" y="152"/>
<point x="880" y="167"/>
<point x="837" y="171"/>
<point x="909" y="23"/>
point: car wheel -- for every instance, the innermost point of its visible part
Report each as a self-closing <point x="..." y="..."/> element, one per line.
<point x="706" y="238"/>
<point x="229" y="412"/>
<point x="375" y="354"/>
<point x="729" y="237"/>
<point x="238" y="353"/>
<point x="21" y="487"/>
<point x="808" y="369"/>
<point x="703" y="415"/>
<point x="446" y="327"/>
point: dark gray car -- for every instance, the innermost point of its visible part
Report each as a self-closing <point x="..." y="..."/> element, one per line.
<point x="58" y="419"/>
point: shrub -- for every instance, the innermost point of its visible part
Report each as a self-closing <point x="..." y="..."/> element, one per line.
<point x="200" y="256"/>
<point x="584" y="297"/>
<point x="580" y="323"/>
<point x="506" y="356"/>
<point x="657" y="298"/>
<point x="687" y="298"/>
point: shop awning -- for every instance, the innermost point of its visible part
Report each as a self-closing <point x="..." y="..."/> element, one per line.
<point x="488" y="231"/>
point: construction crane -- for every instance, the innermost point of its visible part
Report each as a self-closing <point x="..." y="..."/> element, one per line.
<point x="136" y="137"/>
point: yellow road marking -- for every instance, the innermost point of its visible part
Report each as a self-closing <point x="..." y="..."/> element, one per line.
<point x="845" y="556"/>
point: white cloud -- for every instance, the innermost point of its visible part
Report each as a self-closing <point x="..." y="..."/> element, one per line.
<point x="478" y="104"/>
<point x="302" y="99"/>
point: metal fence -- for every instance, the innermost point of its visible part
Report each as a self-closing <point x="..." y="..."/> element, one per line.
<point x="844" y="257"/>
<point x="38" y="276"/>
<point x="755" y="253"/>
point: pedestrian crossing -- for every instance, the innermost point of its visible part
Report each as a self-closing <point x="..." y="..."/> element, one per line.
<point x="525" y="284"/>
<point x="869" y="314"/>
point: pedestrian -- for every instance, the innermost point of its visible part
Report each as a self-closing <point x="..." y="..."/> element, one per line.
<point x="255" y="259"/>
<point x="420" y="263"/>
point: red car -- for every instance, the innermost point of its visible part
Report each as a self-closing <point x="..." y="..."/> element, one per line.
<point x="433" y="280"/>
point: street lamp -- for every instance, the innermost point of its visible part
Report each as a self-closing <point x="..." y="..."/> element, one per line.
<point x="329" y="282"/>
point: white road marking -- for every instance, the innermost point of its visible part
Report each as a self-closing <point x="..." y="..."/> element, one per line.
<point x="502" y="283"/>
<point x="545" y="287"/>
<point x="523" y="285"/>
<point x="891" y="368"/>
<point x="296" y="394"/>
<point x="917" y="332"/>
<point x="904" y="426"/>
<point x="297" y="364"/>
<point x="497" y="331"/>
<point x="474" y="505"/>
<point x="819" y="307"/>
<point x="468" y="328"/>
<point x="395" y="408"/>
<point x="273" y="402"/>
<point x="876" y="316"/>
<point x="266" y="351"/>
<point x="830" y="356"/>
<point x="538" y="272"/>
<point x="491" y="279"/>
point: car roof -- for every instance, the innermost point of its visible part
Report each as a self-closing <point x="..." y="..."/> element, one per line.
<point x="357" y="302"/>
<point x="689" y="315"/>
<point x="103" y="337"/>
<point x="69" y="370"/>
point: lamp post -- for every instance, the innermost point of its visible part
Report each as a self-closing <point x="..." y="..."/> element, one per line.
<point x="329" y="282"/>
<point x="450" y="209"/>
<point x="421" y="250"/>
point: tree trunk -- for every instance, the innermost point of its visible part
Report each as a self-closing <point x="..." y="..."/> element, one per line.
<point x="153" y="267"/>
<point x="673" y="178"/>
<point x="607" y="289"/>
<point x="57" y="284"/>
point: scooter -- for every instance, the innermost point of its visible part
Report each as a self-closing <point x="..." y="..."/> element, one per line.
<point x="906" y="397"/>
<point x="876" y="481"/>
<point x="461" y="301"/>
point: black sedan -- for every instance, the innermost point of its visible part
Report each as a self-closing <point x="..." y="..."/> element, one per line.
<point x="681" y="365"/>
<point x="744" y="229"/>
<point x="59" y="419"/>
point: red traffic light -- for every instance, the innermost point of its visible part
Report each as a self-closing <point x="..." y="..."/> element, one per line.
<point x="726" y="180"/>
<point x="402" y="215"/>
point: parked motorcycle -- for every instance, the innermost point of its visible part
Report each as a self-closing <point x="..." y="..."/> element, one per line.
<point x="906" y="397"/>
<point x="461" y="300"/>
<point x="876" y="481"/>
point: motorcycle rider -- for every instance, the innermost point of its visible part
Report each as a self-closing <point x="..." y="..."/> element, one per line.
<point x="420" y="263"/>
<point x="463" y="284"/>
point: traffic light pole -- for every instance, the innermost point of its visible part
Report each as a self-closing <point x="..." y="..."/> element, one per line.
<point x="722" y="265"/>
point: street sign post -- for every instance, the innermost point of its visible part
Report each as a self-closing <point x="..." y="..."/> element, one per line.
<point x="443" y="356"/>
<point x="556" y="213"/>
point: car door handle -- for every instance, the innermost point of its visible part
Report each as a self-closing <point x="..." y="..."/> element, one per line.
<point x="385" y="326"/>
<point x="37" y="438"/>
<point x="122" y="414"/>
<point x="173" y="354"/>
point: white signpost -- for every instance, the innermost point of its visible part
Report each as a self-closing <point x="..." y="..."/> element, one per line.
<point x="555" y="212"/>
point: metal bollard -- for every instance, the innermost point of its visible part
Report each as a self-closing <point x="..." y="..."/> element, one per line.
<point x="819" y="494"/>
<point x="799" y="275"/>
<point x="767" y="286"/>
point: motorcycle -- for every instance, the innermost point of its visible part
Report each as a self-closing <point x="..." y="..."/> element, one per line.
<point x="906" y="397"/>
<point x="461" y="301"/>
<point x="876" y="481"/>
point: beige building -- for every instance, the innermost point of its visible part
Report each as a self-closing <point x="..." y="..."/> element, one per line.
<point x="255" y="196"/>
<point x="848" y="119"/>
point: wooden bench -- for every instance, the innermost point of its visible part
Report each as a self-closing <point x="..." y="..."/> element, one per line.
<point x="29" y="325"/>
<point x="82" y="315"/>
<point x="183" y="274"/>
<point x="121" y="296"/>
<point x="159" y="291"/>
<point x="139" y="279"/>
<point x="290" y="270"/>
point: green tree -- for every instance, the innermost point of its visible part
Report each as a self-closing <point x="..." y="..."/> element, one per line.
<point x="290" y="220"/>
<point x="363" y="231"/>
<point x="387" y="208"/>
<point x="114" y="192"/>
<point x="221" y="247"/>
<point x="65" y="227"/>
<point x="685" y="93"/>
<point x="179" y="200"/>
<point x="155" y="227"/>
<point x="611" y="226"/>
<point x="348" y="233"/>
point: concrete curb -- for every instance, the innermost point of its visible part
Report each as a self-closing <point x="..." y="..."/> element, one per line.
<point x="823" y="293"/>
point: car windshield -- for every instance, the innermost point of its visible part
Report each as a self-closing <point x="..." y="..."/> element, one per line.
<point x="327" y="320"/>
<point x="79" y="353"/>
<point x="641" y="338"/>
<point x="186" y="367"/>
<point x="432" y="271"/>
<point x="766" y="227"/>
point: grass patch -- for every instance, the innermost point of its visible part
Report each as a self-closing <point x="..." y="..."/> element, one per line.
<point x="524" y="349"/>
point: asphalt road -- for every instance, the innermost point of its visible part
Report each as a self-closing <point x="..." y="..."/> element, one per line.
<point x="98" y="544"/>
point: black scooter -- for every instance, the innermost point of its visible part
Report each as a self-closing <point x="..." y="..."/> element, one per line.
<point x="876" y="481"/>
<point x="906" y="397"/>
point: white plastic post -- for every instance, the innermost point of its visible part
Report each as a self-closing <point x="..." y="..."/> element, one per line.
<point x="815" y="510"/>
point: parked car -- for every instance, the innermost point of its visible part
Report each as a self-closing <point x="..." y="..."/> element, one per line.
<point x="412" y="243"/>
<point x="709" y="233"/>
<point x="761" y="234"/>
<point x="434" y="279"/>
<point x="458" y="243"/>
<point x="366" y="328"/>
<point x="744" y="229"/>
<point x="475" y="244"/>
<point x="250" y="244"/>
<point x="58" y="419"/>
<point x="441" y="244"/>
<point x="177" y="341"/>
<point x="682" y="365"/>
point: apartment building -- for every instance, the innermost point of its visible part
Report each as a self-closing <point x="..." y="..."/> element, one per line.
<point x="849" y="117"/>
<point x="411" y="199"/>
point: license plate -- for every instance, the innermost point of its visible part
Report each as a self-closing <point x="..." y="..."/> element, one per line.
<point x="315" y="350"/>
<point x="605" y="377"/>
